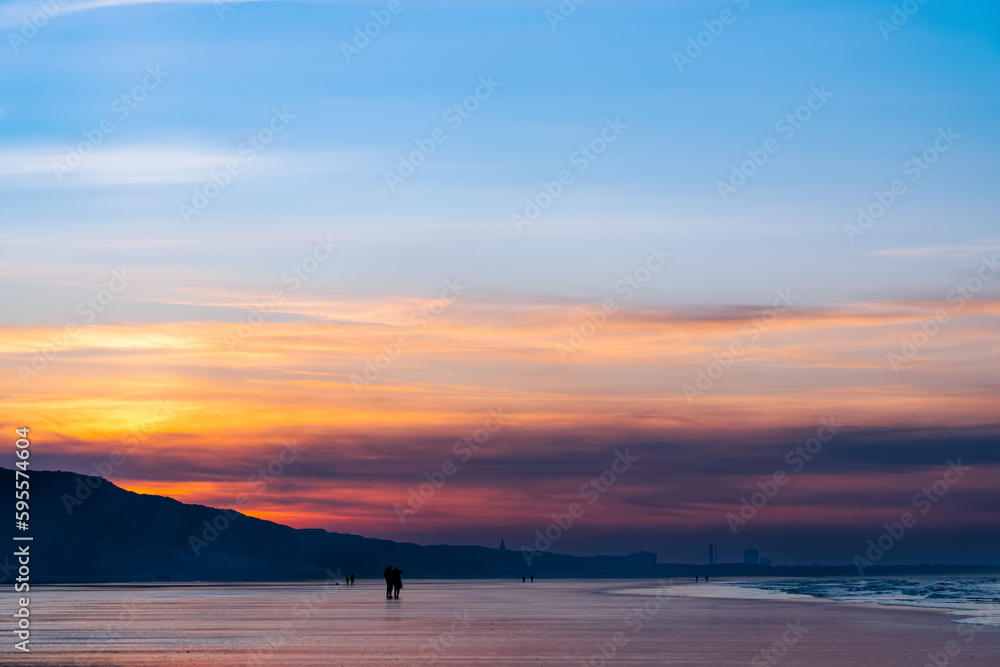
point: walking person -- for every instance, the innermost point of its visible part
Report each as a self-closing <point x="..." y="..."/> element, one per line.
<point x="388" y="582"/>
<point x="397" y="581"/>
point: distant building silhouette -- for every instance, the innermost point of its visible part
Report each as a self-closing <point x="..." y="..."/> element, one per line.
<point x="751" y="556"/>
<point x="503" y="547"/>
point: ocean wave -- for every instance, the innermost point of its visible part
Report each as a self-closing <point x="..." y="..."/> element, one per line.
<point x="975" y="600"/>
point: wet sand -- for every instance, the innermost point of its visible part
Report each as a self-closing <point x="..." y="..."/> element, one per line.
<point x="476" y="623"/>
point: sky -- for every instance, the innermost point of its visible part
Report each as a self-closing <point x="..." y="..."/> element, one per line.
<point x="702" y="233"/>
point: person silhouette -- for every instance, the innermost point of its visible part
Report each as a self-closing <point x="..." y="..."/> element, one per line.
<point x="352" y="580"/>
<point x="397" y="581"/>
<point x="388" y="582"/>
<point x="347" y="580"/>
<point x="522" y="578"/>
<point x="532" y="578"/>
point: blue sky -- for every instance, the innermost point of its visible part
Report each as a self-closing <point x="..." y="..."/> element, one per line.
<point x="656" y="185"/>
<point x="327" y="131"/>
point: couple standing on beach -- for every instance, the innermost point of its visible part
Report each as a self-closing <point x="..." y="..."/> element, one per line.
<point x="393" y="582"/>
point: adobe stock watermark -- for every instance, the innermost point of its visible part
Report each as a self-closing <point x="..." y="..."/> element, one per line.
<point x="773" y="654"/>
<point x="592" y="490"/>
<point x="446" y="639"/>
<point x="7" y="570"/>
<point x="124" y="621"/>
<point x="581" y="159"/>
<point x="418" y="322"/>
<point x="627" y="287"/>
<point x="364" y="34"/>
<point x="121" y="108"/>
<point x="303" y="612"/>
<point x="31" y="25"/>
<point x="454" y="116"/>
<point x="929" y="329"/>
<point x="105" y="468"/>
<point x="88" y="309"/>
<point x="786" y="127"/>
<point x="696" y="44"/>
<point x="247" y="151"/>
<point x="294" y="277"/>
<point x="465" y="448"/>
<point x="797" y="458"/>
<point x="952" y="650"/>
<point x="924" y="500"/>
<point x="562" y="12"/>
<point x="258" y="482"/>
<point x="915" y="168"/>
<point x="635" y="620"/>
<point x="899" y="17"/>
<point x="223" y="7"/>
<point x="707" y="377"/>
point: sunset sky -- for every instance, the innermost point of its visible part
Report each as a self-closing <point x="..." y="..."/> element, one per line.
<point x="563" y="255"/>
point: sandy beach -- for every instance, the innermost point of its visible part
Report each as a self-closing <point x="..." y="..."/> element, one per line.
<point x="479" y="623"/>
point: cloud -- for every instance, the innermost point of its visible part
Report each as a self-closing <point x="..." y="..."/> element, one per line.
<point x="160" y="164"/>
<point x="13" y="14"/>
<point x="943" y="251"/>
<point x="232" y="409"/>
<point x="114" y="166"/>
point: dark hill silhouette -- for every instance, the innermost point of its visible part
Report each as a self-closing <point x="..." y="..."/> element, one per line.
<point x="114" y="534"/>
<point x="118" y="535"/>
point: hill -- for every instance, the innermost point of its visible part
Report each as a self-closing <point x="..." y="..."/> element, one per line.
<point x="86" y="529"/>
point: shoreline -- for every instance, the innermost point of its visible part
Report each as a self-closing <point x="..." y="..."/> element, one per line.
<point x="732" y="590"/>
<point x="479" y="622"/>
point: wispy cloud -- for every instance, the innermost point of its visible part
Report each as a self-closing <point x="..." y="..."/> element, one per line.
<point x="115" y="166"/>
<point x="943" y="251"/>
<point x="158" y="164"/>
<point x="12" y="14"/>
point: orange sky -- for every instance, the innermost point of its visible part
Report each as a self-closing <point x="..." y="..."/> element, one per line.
<point x="202" y="417"/>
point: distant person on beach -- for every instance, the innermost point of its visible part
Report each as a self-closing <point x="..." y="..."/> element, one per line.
<point x="388" y="582"/>
<point x="347" y="580"/>
<point x="522" y="579"/>
<point x="397" y="581"/>
<point x="532" y="578"/>
<point x="696" y="578"/>
<point x="352" y="580"/>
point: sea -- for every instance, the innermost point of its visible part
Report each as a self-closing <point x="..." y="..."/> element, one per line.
<point x="974" y="600"/>
<point x="585" y="623"/>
